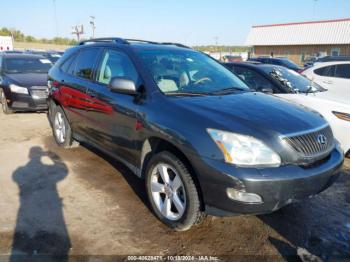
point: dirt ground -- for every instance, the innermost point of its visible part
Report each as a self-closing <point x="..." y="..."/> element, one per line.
<point x="80" y="202"/>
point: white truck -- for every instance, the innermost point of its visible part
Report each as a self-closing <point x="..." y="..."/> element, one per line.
<point x="6" y="43"/>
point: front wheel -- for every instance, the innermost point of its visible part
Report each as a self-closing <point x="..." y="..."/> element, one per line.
<point x="172" y="192"/>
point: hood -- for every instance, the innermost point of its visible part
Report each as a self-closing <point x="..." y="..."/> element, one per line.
<point x="255" y="111"/>
<point x="334" y="96"/>
<point x="322" y="102"/>
<point x="28" y="80"/>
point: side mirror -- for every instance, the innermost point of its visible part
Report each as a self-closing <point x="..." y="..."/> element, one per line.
<point x="123" y="86"/>
<point x="266" y="90"/>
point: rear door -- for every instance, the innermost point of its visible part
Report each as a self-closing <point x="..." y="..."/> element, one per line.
<point x="77" y="77"/>
<point x="112" y="117"/>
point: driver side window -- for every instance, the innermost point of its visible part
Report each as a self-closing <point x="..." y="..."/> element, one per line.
<point x="116" y="64"/>
<point x="253" y="79"/>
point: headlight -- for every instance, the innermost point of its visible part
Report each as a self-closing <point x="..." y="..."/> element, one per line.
<point x="342" y="116"/>
<point x="244" y="150"/>
<point x="18" y="89"/>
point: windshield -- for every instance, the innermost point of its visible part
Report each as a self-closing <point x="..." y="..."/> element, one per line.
<point x="189" y="72"/>
<point x="293" y="81"/>
<point x="286" y="62"/>
<point x="27" y="65"/>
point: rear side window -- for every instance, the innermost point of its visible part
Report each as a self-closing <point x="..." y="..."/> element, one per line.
<point x="67" y="63"/>
<point x="84" y="63"/>
<point x="343" y="71"/>
<point x="325" y="71"/>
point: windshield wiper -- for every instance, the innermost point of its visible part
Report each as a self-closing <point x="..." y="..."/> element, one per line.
<point x="185" y="94"/>
<point x="228" y="90"/>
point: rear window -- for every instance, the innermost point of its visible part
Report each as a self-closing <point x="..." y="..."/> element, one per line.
<point x="20" y="65"/>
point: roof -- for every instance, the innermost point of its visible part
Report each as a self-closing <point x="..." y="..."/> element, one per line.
<point x="302" y="33"/>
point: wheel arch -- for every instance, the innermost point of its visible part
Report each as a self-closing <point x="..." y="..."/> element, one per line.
<point x="154" y="145"/>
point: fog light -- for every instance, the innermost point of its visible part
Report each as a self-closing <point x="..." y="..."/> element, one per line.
<point x="243" y="196"/>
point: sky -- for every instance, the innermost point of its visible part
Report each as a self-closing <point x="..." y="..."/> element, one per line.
<point x="191" y="22"/>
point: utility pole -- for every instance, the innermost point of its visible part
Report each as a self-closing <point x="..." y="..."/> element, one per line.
<point x="78" y="30"/>
<point x="314" y="9"/>
<point x="93" y="27"/>
<point x="216" y="45"/>
<point x="55" y="16"/>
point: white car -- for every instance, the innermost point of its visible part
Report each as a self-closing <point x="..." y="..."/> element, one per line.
<point x="295" y="88"/>
<point x="334" y="76"/>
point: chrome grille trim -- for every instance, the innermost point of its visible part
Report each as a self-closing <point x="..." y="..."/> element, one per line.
<point x="306" y="143"/>
<point x="39" y="92"/>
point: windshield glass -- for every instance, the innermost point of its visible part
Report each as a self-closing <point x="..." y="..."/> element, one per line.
<point x="27" y="65"/>
<point x="286" y="62"/>
<point x="293" y="81"/>
<point x="187" y="71"/>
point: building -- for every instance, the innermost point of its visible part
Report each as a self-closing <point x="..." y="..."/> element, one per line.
<point x="299" y="41"/>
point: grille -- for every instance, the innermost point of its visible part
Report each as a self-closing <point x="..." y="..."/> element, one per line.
<point x="312" y="144"/>
<point x="39" y="92"/>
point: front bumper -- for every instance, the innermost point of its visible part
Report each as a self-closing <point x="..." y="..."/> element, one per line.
<point x="276" y="186"/>
<point x="22" y="102"/>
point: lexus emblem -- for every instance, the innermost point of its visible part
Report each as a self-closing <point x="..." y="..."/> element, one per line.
<point x="322" y="139"/>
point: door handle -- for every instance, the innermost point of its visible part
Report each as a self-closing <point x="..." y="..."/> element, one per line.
<point x="91" y="94"/>
<point x="329" y="82"/>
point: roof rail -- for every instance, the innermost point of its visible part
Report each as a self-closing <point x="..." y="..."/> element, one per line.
<point x="141" y="41"/>
<point x="175" y="44"/>
<point x="105" y="39"/>
<point x="118" y="40"/>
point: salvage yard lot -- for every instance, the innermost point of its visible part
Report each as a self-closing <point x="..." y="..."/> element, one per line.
<point x="80" y="202"/>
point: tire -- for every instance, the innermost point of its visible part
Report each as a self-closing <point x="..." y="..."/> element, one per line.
<point x="4" y="104"/>
<point x="176" y="202"/>
<point x="61" y="129"/>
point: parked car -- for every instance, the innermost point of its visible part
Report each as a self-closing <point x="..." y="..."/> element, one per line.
<point x="310" y="61"/>
<point x="53" y="56"/>
<point x="203" y="142"/>
<point x="23" y="82"/>
<point x="232" y="58"/>
<point x="281" y="61"/>
<point x="292" y="86"/>
<point x="334" y="76"/>
<point x="316" y="60"/>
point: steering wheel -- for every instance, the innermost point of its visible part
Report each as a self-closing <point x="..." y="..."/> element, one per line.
<point x="203" y="79"/>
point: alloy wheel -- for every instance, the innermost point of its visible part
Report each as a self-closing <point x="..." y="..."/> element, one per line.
<point x="168" y="191"/>
<point x="60" y="127"/>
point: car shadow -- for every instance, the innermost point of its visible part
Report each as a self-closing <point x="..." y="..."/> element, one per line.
<point x="136" y="184"/>
<point x="41" y="230"/>
<point x="320" y="226"/>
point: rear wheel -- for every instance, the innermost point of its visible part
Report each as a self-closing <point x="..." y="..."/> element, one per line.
<point x="172" y="192"/>
<point x="61" y="129"/>
<point x="4" y="104"/>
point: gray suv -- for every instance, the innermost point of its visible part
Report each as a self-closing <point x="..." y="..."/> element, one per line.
<point x="197" y="135"/>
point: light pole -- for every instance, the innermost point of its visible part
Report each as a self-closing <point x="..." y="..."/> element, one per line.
<point x="55" y="16"/>
<point x="93" y="27"/>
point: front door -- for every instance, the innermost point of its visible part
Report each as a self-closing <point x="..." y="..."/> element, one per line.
<point x="112" y="117"/>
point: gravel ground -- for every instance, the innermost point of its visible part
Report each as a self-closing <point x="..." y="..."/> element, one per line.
<point x="80" y="202"/>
